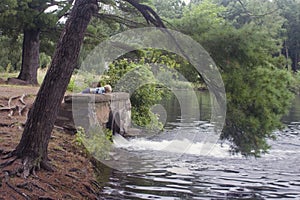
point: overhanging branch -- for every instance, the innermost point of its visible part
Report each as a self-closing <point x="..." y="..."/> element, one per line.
<point x="148" y="13"/>
<point x="127" y="22"/>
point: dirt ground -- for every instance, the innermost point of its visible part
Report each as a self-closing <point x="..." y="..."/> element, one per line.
<point x="73" y="177"/>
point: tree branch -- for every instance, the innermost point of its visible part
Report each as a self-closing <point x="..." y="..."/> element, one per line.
<point x="152" y="17"/>
<point x="129" y="23"/>
<point x="250" y="14"/>
<point x="148" y="13"/>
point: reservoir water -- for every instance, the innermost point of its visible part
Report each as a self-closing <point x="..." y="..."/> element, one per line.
<point x="175" y="168"/>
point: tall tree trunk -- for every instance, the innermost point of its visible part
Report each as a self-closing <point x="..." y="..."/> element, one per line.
<point x="295" y="60"/>
<point x="34" y="142"/>
<point x="30" y="56"/>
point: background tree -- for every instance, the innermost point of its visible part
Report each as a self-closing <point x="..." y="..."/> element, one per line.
<point x="30" y="17"/>
<point x="291" y="12"/>
<point x="258" y="86"/>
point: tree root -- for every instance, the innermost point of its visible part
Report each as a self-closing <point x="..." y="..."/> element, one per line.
<point x="7" y="108"/>
<point x="10" y="100"/>
<point x="47" y="166"/>
<point x="72" y="176"/>
<point x="8" y="125"/>
<point x="26" y="186"/>
<point x="51" y="186"/>
<point x="37" y="186"/>
<point x="28" y="167"/>
<point x="14" y="188"/>
<point x="30" y="186"/>
<point x="21" y="99"/>
<point x="5" y="154"/>
<point x="7" y="163"/>
<point x="8" y="154"/>
<point x="20" y="108"/>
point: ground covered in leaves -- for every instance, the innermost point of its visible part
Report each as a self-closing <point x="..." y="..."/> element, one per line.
<point x="73" y="177"/>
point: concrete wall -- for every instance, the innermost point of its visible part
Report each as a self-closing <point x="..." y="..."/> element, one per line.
<point x="112" y="110"/>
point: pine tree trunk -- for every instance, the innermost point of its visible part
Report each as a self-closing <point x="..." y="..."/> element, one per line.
<point x="30" y="56"/>
<point x="34" y="142"/>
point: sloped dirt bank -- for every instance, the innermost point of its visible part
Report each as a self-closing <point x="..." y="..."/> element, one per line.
<point x="73" y="177"/>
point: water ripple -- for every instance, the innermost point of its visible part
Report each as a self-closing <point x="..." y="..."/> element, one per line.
<point x="193" y="176"/>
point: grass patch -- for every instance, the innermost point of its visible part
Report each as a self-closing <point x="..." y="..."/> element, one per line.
<point x="41" y="73"/>
<point x="6" y="75"/>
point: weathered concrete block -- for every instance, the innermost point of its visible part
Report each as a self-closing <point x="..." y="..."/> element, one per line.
<point x="111" y="110"/>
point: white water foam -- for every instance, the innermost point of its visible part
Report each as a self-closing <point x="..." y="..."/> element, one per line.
<point x="183" y="146"/>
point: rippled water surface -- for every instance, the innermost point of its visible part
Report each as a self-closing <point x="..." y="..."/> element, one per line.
<point x="191" y="173"/>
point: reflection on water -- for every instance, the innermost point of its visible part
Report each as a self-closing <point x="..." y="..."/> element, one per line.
<point x="194" y="175"/>
<point x="294" y="114"/>
<point x="186" y="106"/>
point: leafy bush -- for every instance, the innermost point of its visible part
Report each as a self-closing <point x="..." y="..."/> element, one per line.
<point x="138" y="80"/>
<point x="97" y="141"/>
<point x="45" y="60"/>
<point x="81" y="80"/>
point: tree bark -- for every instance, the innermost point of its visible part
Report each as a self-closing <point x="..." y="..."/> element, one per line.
<point x="30" y="56"/>
<point x="295" y="59"/>
<point x="33" y="146"/>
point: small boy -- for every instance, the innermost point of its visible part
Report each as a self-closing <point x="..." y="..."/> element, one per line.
<point x="98" y="90"/>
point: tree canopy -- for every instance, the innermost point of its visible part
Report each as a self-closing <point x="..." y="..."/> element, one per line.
<point x="30" y="17"/>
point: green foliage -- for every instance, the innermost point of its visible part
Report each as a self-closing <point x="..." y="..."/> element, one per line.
<point x="244" y="47"/>
<point x="201" y="22"/>
<point x="255" y="107"/>
<point x="147" y="83"/>
<point x="16" y="16"/>
<point x="80" y="135"/>
<point x="72" y="86"/>
<point x="98" y="30"/>
<point x="138" y="80"/>
<point x="257" y="12"/>
<point x="247" y="51"/>
<point x="97" y="141"/>
<point x="169" y="9"/>
<point x="82" y="80"/>
<point x="108" y="134"/>
<point x="29" y="14"/>
<point x="45" y="60"/>
<point x="171" y="69"/>
<point x="200" y="19"/>
<point x="10" y="54"/>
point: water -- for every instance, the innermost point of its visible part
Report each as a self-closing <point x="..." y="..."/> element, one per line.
<point x="176" y="165"/>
